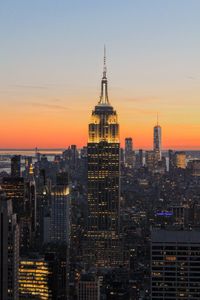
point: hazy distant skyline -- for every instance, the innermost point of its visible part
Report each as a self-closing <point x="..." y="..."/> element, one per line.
<point x="51" y="60"/>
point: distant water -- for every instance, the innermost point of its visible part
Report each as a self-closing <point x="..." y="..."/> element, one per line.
<point x="29" y="152"/>
<point x="6" y="154"/>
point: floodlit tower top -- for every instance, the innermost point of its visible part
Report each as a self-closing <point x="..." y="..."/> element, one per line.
<point x="104" y="83"/>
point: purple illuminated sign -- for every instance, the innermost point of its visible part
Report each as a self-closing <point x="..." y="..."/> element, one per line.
<point x="164" y="214"/>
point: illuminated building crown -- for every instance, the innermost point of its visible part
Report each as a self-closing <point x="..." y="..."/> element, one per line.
<point x="104" y="125"/>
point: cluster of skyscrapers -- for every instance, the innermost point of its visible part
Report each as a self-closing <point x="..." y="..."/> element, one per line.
<point x="100" y="223"/>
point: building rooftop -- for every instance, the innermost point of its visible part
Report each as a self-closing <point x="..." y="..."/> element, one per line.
<point x="175" y="236"/>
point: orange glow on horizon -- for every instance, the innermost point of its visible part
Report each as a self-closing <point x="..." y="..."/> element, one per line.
<point x="60" y="136"/>
<point x="55" y="125"/>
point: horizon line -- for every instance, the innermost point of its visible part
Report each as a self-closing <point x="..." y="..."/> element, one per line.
<point x="63" y="148"/>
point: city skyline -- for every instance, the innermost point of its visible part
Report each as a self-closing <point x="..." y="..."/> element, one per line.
<point x="49" y="86"/>
<point x="99" y="150"/>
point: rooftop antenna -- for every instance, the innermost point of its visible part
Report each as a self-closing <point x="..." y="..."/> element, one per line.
<point x="104" y="82"/>
<point x="104" y="63"/>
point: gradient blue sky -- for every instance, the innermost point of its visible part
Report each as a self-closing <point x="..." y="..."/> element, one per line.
<point x="51" y="64"/>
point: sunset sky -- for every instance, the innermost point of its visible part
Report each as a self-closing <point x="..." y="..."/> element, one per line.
<point x="51" y="61"/>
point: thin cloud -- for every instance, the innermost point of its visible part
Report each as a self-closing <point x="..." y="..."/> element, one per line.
<point x="192" y="77"/>
<point x="142" y="99"/>
<point x="136" y="111"/>
<point x="56" y="100"/>
<point x="36" y="87"/>
<point x="47" y="106"/>
<point x="144" y="111"/>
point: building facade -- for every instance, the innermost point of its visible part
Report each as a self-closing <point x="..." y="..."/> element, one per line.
<point x="9" y="254"/>
<point x="34" y="277"/>
<point x="180" y="159"/>
<point x="129" y="154"/>
<point x="60" y="210"/>
<point x="103" y="182"/>
<point x="88" y="288"/>
<point x="157" y="131"/>
<point x="14" y="187"/>
<point x="16" y="166"/>
<point x="60" y="215"/>
<point x="175" y="265"/>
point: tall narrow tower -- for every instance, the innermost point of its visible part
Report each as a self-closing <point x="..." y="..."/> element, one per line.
<point x="9" y="254"/>
<point x="103" y="181"/>
<point x="129" y="154"/>
<point x="157" y="141"/>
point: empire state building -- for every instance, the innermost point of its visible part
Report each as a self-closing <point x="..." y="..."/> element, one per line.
<point x="103" y="182"/>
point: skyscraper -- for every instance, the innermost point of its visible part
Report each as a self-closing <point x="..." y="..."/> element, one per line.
<point x="89" y="287"/>
<point x="9" y="254"/>
<point x="15" y="191"/>
<point x="31" y="200"/>
<point x="157" y="141"/>
<point x="103" y="181"/>
<point x="60" y="211"/>
<point x="150" y="160"/>
<point x="175" y="261"/>
<point x="34" y="277"/>
<point x="16" y="166"/>
<point x="129" y="154"/>
<point x="180" y="159"/>
<point x="171" y="156"/>
<point x="140" y="157"/>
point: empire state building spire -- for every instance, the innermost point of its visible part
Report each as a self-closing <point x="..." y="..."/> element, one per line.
<point x="104" y="83"/>
<point x="103" y="248"/>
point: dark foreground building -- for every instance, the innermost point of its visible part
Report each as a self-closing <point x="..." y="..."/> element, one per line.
<point x="175" y="265"/>
<point x="9" y="250"/>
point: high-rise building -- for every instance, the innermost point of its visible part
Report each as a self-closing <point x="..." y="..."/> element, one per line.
<point x="175" y="265"/>
<point x="129" y="154"/>
<point x="140" y="158"/>
<point x="180" y="159"/>
<point x="16" y="166"/>
<point x="9" y="253"/>
<point x="14" y="189"/>
<point x="171" y="156"/>
<point x="71" y="156"/>
<point x="23" y="197"/>
<point x="34" y="275"/>
<point x="60" y="211"/>
<point x="89" y="287"/>
<point x="43" y="210"/>
<point x="83" y="151"/>
<point x="103" y="181"/>
<point x="157" y="141"/>
<point x="150" y="161"/>
<point x="31" y="200"/>
<point x="194" y="167"/>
